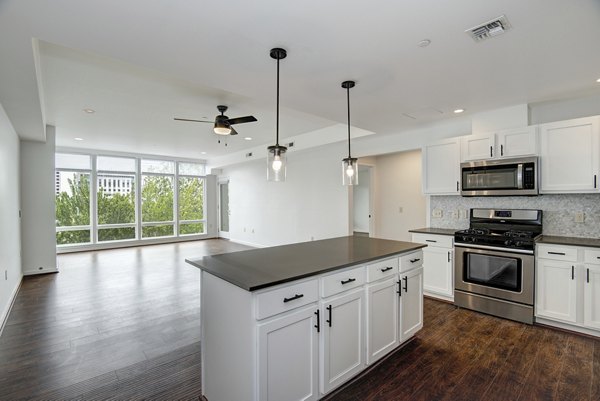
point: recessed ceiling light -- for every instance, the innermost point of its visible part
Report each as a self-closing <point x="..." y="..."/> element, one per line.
<point x="248" y="138"/>
<point x="424" y="43"/>
<point x="458" y="111"/>
<point x="89" y="111"/>
<point x="202" y="153"/>
<point x="78" y="139"/>
<point x="598" y="80"/>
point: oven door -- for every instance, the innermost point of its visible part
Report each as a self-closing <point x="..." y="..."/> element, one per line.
<point x="500" y="274"/>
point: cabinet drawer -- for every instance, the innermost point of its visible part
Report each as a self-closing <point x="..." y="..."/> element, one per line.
<point x="592" y="256"/>
<point x="283" y="299"/>
<point x="342" y="281"/>
<point x="445" y="241"/>
<point x="381" y="269"/>
<point x="568" y="254"/>
<point x="411" y="261"/>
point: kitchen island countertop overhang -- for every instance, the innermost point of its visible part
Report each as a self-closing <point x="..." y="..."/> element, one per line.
<point x="256" y="269"/>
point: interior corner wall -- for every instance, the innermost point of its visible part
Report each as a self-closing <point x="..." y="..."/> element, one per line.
<point x="311" y="204"/>
<point x="38" y="222"/>
<point x="10" y="240"/>
<point x="399" y="202"/>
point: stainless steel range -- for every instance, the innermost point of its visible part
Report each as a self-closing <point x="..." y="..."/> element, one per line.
<point x="494" y="265"/>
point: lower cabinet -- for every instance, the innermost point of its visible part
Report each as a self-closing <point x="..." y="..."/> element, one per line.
<point x="382" y="318"/>
<point x="342" y="338"/>
<point x="288" y="357"/>
<point x="411" y="303"/>
<point x="568" y="287"/>
<point x="556" y="290"/>
<point x="438" y="265"/>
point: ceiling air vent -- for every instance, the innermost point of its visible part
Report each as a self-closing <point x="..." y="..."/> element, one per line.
<point x="489" y="29"/>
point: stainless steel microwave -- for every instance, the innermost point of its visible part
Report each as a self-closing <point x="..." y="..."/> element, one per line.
<point x="507" y="177"/>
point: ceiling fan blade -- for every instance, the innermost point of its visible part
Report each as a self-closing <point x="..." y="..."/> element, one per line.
<point x="241" y="120"/>
<point x="194" y="121"/>
<point x="233" y="131"/>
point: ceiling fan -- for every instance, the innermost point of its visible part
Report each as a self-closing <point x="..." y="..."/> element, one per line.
<point x="222" y="123"/>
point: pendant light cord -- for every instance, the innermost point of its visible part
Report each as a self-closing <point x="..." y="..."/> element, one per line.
<point x="348" y="93"/>
<point x="277" y="123"/>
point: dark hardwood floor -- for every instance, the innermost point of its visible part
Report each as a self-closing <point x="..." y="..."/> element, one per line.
<point x="124" y="324"/>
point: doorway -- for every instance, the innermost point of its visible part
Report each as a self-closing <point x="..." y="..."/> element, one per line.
<point x="362" y="202"/>
<point x="224" y="212"/>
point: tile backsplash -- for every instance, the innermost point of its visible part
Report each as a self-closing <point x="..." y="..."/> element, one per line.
<point x="559" y="215"/>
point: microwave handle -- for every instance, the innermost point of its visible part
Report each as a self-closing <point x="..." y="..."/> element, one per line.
<point x="520" y="176"/>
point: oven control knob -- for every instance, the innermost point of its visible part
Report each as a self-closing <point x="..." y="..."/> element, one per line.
<point x="473" y="239"/>
<point x="519" y="243"/>
<point x="465" y="238"/>
<point x="508" y="242"/>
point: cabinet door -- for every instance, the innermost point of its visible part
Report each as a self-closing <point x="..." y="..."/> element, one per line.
<point x="411" y="303"/>
<point x="438" y="265"/>
<point x="478" y="147"/>
<point x="382" y="318"/>
<point x="569" y="155"/>
<point x="342" y="351"/>
<point x="557" y="290"/>
<point x="441" y="168"/>
<point x="591" y="308"/>
<point x="288" y="357"/>
<point x="517" y="142"/>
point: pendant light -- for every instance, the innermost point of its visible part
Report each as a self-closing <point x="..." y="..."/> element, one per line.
<point x="276" y="160"/>
<point x="349" y="164"/>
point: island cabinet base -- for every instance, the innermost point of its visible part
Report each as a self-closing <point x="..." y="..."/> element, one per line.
<point x="303" y="339"/>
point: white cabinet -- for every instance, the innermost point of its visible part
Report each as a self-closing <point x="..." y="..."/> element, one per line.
<point x="568" y="287"/>
<point x="569" y="155"/>
<point x="441" y="168"/>
<point x="556" y="290"/>
<point x="288" y="357"/>
<point x="382" y="318"/>
<point x="438" y="265"/>
<point x="411" y="303"/>
<point x="499" y="145"/>
<point x="342" y="345"/>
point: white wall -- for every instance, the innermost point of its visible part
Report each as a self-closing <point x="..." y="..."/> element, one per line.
<point x="10" y="239"/>
<point x="38" y="232"/>
<point x="212" y="230"/>
<point x="398" y="178"/>
<point x="311" y="203"/>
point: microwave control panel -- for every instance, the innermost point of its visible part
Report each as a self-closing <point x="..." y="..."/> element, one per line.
<point x="528" y="176"/>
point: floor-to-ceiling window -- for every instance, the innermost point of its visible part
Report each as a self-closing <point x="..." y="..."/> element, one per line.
<point x="108" y="198"/>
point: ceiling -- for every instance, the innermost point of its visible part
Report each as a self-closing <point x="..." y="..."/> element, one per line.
<point x="140" y="63"/>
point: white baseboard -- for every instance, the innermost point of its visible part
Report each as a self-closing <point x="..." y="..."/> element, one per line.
<point x="7" y="309"/>
<point x="36" y="272"/>
<point x="566" y="326"/>
<point x="247" y="243"/>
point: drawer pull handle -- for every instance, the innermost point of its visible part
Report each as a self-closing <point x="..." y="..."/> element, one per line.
<point x="414" y="260"/>
<point x="597" y="257"/>
<point x="588" y="275"/>
<point x="430" y="240"/>
<point x="448" y="256"/>
<point x="557" y="253"/>
<point x="318" y="325"/>
<point x="405" y="278"/>
<point x="572" y="272"/>
<point x="330" y="319"/>
<point x="399" y="282"/>
<point x="297" y="296"/>
<point x="350" y="280"/>
<point x="386" y="269"/>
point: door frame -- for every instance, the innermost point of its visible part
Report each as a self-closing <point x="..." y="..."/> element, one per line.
<point x="371" y="168"/>
<point x="222" y="181"/>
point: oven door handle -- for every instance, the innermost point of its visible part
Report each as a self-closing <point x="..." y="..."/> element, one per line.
<point x="494" y="248"/>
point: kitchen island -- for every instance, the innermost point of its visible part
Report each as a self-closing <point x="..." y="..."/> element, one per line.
<point x="294" y="322"/>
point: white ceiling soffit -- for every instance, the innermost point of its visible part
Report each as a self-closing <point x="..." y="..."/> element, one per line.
<point x="550" y="52"/>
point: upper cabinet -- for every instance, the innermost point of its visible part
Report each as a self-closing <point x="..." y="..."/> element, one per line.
<point x="569" y="156"/>
<point x="499" y="145"/>
<point x="441" y="168"/>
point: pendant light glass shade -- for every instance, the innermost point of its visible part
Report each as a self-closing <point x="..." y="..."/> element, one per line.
<point x="349" y="164"/>
<point x="276" y="157"/>
<point x="276" y="163"/>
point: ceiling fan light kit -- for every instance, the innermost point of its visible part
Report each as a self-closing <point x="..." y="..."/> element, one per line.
<point x="276" y="158"/>
<point x="349" y="164"/>
<point x="222" y="123"/>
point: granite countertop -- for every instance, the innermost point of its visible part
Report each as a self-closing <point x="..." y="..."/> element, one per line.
<point x="573" y="241"/>
<point x="260" y="268"/>
<point x="433" y="230"/>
